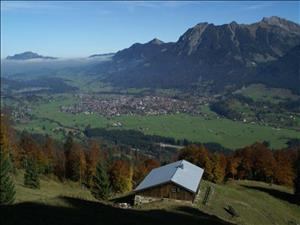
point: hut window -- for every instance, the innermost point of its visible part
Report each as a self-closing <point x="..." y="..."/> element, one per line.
<point x="178" y="189"/>
<point x="173" y="189"/>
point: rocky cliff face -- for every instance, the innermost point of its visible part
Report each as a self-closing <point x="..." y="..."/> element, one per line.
<point x="222" y="55"/>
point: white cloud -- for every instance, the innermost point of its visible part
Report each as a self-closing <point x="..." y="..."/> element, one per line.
<point x="133" y="5"/>
<point x="257" y="6"/>
<point x="27" y="5"/>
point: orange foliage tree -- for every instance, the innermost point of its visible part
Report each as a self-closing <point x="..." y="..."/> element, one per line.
<point x="92" y="159"/>
<point x="120" y="176"/>
<point x="142" y="169"/>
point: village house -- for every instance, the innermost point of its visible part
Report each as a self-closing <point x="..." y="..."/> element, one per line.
<point x="178" y="180"/>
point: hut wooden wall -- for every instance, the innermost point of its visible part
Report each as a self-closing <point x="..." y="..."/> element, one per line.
<point x="168" y="190"/>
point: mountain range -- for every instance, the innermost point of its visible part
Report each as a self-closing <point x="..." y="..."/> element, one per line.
<point x="219" y="55"/>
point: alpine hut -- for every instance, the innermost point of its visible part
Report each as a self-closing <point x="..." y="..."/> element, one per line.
<point x="178" y="180"/>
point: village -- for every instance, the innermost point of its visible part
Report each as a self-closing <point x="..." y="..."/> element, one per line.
<point x="116" y="105"/>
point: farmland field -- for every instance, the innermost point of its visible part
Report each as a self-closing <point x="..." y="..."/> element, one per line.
<point x="209" y="128"/>
<point x="259" y="92"/>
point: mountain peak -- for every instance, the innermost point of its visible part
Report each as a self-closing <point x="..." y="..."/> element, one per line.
<point x="28" y="55"/>
<point x="201" y="25"/>
<point x="155" y="41"/>
<point x="282" y="23"/>
<point x="273" y="20"/>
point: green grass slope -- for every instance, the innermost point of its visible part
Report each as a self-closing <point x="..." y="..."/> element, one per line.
<point x="67" y="203"/>
<point x="56" y="203"/>
<point x="255" y="202"/>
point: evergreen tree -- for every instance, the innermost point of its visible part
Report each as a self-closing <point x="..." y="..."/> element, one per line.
<point x="31" y="176"/>
<point x="101" y="187"/>
<point x="7" y="187"/>
<point x="297" y="179"/>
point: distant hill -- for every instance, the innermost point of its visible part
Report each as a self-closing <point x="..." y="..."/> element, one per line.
<point x="102" y="55"/>
<point x="28" y="55"/>
<point x="221" y="55"/>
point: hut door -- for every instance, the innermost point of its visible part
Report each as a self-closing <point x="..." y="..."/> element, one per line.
<point x="165" y="191"/>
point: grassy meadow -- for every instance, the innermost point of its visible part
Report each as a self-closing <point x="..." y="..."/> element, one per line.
<point x="67" y="203"/>
<point x="259" y="92"/>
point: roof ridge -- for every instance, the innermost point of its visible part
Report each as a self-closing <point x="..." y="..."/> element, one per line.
<point x="176" y="170"/>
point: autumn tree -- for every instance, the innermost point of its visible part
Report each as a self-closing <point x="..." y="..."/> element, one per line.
<point x="218" y="170"/>
<point x="29" y="148"/>
<point x="284" y="169"/>
<point x="59" y="165"/>
<point x="208" y="168"/>
<point x="143" y="168"/>
<point x="246" y="160"/>
<point x="73" y="168"/>
<point x="231" y="167"/>
<point x="190" y="153"/>
<point x="82" y="165"/>
<point x="263" y="162"/>
<point x="100" y="183"/>
<point x="67" y="164"/>
<point x="199" y="156"/>
<point x="8" y="140"/>
<point x="120" y="175"/>
<point x="74" y="160"/>
<point x="50" y="155"/>
<point x="92" y="159"/>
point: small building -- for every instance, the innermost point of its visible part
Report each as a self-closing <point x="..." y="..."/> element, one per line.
<point x="178" y="180"/>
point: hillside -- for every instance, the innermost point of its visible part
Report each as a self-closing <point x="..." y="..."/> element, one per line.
<point x="57" y="203"/>
<point x="218" y="55"/>
<point x="275" y="73"/>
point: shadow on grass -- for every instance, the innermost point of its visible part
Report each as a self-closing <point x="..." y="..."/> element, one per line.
<point x="84" y="212"/>
<point x="276" y="193"/>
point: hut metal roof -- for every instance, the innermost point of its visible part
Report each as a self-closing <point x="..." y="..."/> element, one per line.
<point x="183" y="173"/>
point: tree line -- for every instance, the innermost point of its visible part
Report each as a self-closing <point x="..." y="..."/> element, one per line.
<point x="255" y="162"/>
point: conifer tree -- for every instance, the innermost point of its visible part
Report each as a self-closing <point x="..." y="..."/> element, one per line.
<point x="101" y="187"/>
<point x="7" y="188"/>
<point x="297" y="179"/>
<point x="31" y="176"/>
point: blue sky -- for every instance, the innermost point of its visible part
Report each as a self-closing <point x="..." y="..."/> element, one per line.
<point x="77" y="29"/>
